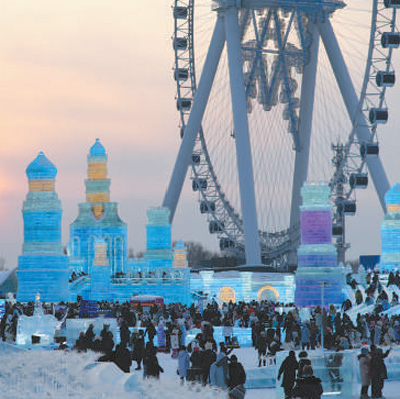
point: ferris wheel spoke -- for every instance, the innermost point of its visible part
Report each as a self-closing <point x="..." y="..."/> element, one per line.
<point x="256" y="71"/>
<point x="194" y="122"/>
<point x="285" y="68"/>
<point x="305" y="124"/>
<point x="350" y="99"/>
<point x="242" y="139"/>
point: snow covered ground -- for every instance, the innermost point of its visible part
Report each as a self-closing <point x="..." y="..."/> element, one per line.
<point x="38" y="374"/>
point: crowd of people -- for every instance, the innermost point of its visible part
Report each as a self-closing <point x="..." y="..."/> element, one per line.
<point x="274" y="327"/>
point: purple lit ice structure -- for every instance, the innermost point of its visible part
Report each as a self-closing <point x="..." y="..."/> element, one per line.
<point x="317" y="262"/>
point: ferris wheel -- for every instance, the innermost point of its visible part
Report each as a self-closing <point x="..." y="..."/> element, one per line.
<point x="261" y="114"/>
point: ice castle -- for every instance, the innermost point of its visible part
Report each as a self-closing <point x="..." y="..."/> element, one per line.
<point x="317" y="258"/>
<point x="42" y="267"/>
<point x="390" y="231"/>
<point x="97" y="266"/>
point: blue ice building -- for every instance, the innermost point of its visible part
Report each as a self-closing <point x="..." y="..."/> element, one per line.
<point x="42" y="267"/>
<point x="317" y="257"/>
<point x="99" y="266"/>
<point x="390" y="231"/>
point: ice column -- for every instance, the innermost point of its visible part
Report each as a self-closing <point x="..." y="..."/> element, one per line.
<point x="158" y="238"/>
<point x="42" y="267"/>
<point x="317" y="260"/>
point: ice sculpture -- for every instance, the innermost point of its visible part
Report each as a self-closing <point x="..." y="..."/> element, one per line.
<point x="42" y="267"/>
<point x="317" y="263"/>
<point x="390" y="231"/>
<point x="39" y="325"/>
<point x="98" y="219"/>
<point x="158" y="238"/>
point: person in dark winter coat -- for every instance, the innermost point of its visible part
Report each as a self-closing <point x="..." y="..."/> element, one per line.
<point x="262" y="349"/>
<point x="153" y="368"/>
<point x="149" y="352"/>
<point x="303" y="361"/>
<point x="80" y="344"/>
<point x="138" y="348"/>
<point x="150" y="330"/>
<point x="288" y="369"/>
<point x="309" y="386"/>
<point x="124" y="333"/>
<point x="378" y="372"/>
<point x="237" y="375"/>
<point x="196" y="358"/>
<point x="107" y="341"/>
<point x="364" y="361"/>
<point x="122" y="358"/>
<point x="208" y="358"/>
<point x="89" y="337"/>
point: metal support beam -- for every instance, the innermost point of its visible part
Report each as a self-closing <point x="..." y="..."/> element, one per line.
<point x="350" y="98"/>
<point x="305" y="124"/>
<point x="195" y="118"/>
<point x="242" y="138"/>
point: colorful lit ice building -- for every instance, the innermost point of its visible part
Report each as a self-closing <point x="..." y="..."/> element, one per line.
<point x="317" y="257"/>
<point x="390" y="231"/>
<point x="97" y="266"/>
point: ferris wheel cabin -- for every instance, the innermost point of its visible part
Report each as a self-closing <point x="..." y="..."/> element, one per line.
<point x="385" y="79"/>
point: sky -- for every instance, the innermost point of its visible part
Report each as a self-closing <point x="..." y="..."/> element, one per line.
<point x="73" y="71"/>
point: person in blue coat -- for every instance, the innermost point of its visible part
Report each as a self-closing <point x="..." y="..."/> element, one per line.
<point x="305" y="337"/>
<point x="183" y="362"/>
<point x="219" y="371"/>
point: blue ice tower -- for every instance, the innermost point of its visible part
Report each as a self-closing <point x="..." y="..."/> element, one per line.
<point x="390" y="231"/>
<point x="42" y="267"/>
<point x="98" y="221"/>
<point x="317" y="257"/>
<point x="158" y="238"/>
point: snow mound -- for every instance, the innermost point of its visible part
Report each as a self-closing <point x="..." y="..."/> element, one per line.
<point x="57" y="374"/>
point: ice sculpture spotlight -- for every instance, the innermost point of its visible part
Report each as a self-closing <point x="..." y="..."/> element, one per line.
<point x="390" y="230"/>
<point x="316" y="255"/>
<point x="42" y="267"/>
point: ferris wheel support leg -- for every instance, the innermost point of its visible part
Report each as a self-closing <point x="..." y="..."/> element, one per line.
<point x="305" y="124"/>
<point x="350" y="98"/>
<point x="183" y="159"/>
<point x="242" y="138"/>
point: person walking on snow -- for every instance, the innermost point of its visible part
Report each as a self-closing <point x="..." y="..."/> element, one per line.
<point x="288" y="370"/>
<point x="183" y="363"/>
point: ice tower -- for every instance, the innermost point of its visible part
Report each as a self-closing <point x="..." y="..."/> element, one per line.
<point x="98" y="219"/>
<point x="158" y="238"/>
<point x="317" y="259"/>
<point x="42" y="267"/>
<point x="390" y="230"/>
